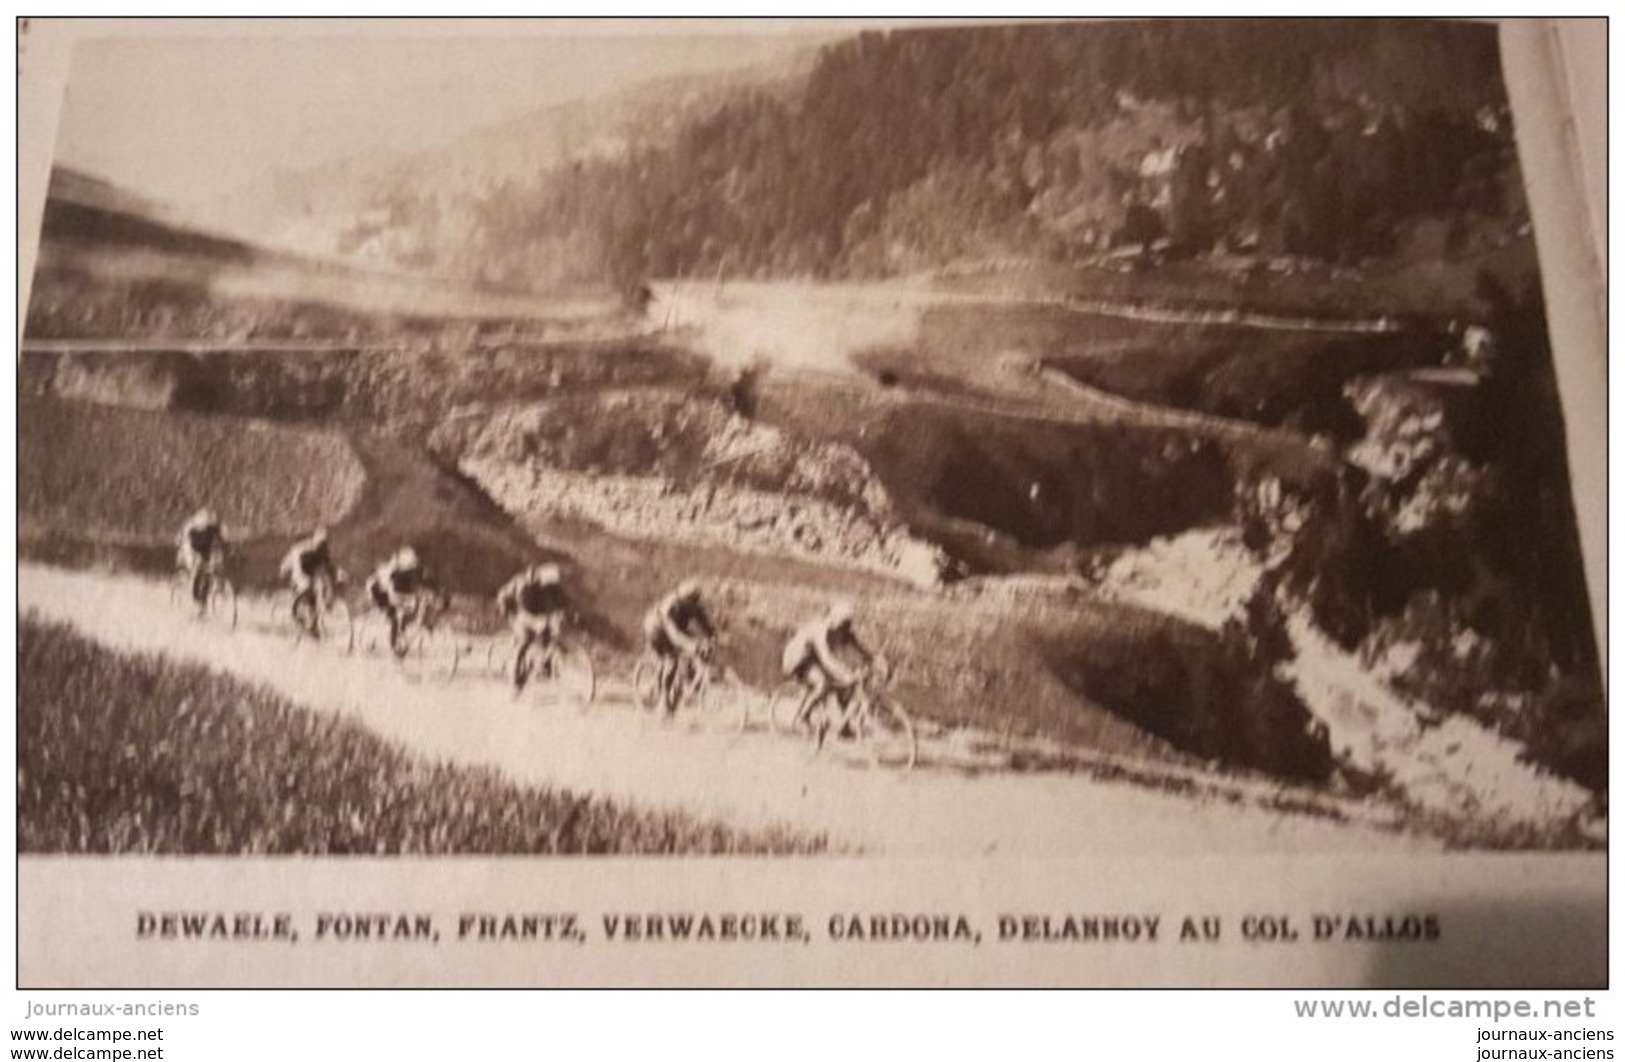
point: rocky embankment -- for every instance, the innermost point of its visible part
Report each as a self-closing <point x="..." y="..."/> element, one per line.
<point x="1405" y="615"/>
<point x="655" y="466"/>
<point x="1451" y="766"/>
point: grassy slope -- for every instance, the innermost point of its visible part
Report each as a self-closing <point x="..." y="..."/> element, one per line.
<point x="110" y="270"/>
<point x="471" y="547"/>
<point x="138" y="755"/>
<point x="136" y="475"/>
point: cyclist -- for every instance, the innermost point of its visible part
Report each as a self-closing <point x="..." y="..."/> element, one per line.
<point x="310" y="571"/>
<point x="534" y="603"/>
<point x="813" y="654"/>
<point x="679" y="631"/>
<point x="396" y="587"/>
<point x="200" y="551"/>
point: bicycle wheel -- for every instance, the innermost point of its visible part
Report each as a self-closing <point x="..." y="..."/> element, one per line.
<point x="278" y="609"/>
<point x="693" y="686"/>
<point x="533" y="667"/>
<point x="782" y="707"/>
<point x="451" y="649"/>
<point x="183" y="591"/>
<point x="646" y="683"/>
<point x="332" y="626"/>
<point x="427" y="653"/>
<point x="372" y="633"/>
<point x="722" y="696"/>
<point x="409" y="648"/>
<point x="577" y="676"/>
<point x="338" y="626"/>
<point x="302" y="611"/>
<point x="499" y="659"/>
<point x="564" y="675"/>
<point x="755" y="709"/>
<point x="220" y="600"/>
<point x="887" y="733"/>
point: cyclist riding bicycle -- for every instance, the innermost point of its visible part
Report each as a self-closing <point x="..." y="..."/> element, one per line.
<point x="310" y="571"/>
<point x="396" y="587"/>
<point x="679" y="631"/>
<point x="534" y="602"/>
<point x="200" y="551"/>
<point x="813" y="654"/>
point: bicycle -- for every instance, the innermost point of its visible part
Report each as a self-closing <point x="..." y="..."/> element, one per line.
<point x="421" y="640"/>
<point x="564" y="672"/>
<point x="872" y="719"/>
<point x="319" y="612"/>
<point x="703" y="685"/>
<point x="210" y="591"/>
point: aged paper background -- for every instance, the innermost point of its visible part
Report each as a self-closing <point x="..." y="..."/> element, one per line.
<point x="1507" y="919"/>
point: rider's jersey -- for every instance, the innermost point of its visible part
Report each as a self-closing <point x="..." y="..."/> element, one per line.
<point x="819" y="642"/>
<point x="689" y="617"/>
<point x="532" y="597"/>
<point x="395" y="580"/>
<point x="309" y="559"/>
<point x="203" y="539"/>
<point x="405" y="580"/>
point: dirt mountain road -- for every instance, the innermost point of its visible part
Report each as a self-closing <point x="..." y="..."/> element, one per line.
<point x="749" y="779"/>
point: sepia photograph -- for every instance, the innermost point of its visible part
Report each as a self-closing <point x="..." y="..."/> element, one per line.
<point x="799" y="447"/>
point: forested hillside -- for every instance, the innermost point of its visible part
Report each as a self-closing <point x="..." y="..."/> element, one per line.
<point x="1337" y="140"/>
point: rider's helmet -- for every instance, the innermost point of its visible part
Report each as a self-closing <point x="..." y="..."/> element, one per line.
<point x="205" y="517"/>
<point x="688" y="590"/>
<point x="841" y="614"/>
<point x="318" y="537"/>
<point x="407" y="557"/>
<point x="547" y="574"/>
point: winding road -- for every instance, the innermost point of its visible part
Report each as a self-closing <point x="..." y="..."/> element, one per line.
<point x="751" y="779"/>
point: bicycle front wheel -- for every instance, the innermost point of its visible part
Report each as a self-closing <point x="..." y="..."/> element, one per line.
<point x="428" y="653"/>
<point x="887" y="734"/>
<point x="338" y="626"/>
<point x="574" y="678"/>
<point x="724" y="697"/>
<point x="452" y="647"/>
<point x="499" y="659"/>
<point x="646" y="683"/>
<point x="372" y="633"/>
<point x="221" y="602"/>
<point x="279" y="610"/>
<point x="782" y="707"/>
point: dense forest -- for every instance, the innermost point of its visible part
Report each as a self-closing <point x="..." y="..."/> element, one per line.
<point x="910" y="149"/>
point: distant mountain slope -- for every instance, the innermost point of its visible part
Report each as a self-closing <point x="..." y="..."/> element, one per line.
<point x="71" y="186"/>
<point x="74" y="221"/>
<point x="411" y="209"/>
<point x="115" y="265"/>
<point x="913" y="149"/>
